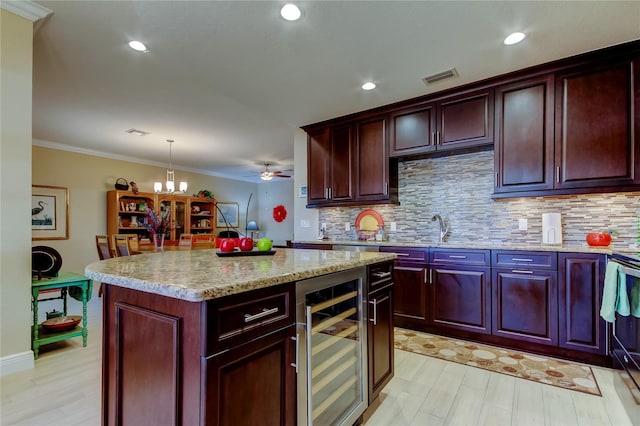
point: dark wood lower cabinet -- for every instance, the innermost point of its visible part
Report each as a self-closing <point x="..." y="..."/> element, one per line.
<point x="156" y="369"/>
<point x="380" y="339"/>
<point x="525" y="305"/>
<point x="580" y="286"/>
<point x="251" y="384"/>
<point x="461" y="298"/>
<point x="410" y="293"/>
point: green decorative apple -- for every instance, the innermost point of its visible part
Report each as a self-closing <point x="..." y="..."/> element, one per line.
<point x="264" y="244"/>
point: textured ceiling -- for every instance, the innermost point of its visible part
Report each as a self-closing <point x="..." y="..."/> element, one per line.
<point x="230" y="81"/>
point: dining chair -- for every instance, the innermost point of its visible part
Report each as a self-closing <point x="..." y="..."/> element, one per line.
<point x="104" y="249"/>
<point x="122" y="245"/>
<point x="134" y="245"/>
<point x="185" y="242"/>
<point x="203" y="241"/>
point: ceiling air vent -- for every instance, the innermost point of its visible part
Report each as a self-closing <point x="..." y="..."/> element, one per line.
<point x="136" y="132"/>
<point x="430" y="79"/>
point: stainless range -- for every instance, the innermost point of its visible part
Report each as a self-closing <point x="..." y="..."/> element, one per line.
<point x="625" y="343"/>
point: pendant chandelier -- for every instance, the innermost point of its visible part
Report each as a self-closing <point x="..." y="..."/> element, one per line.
<point x="170" y="183"/>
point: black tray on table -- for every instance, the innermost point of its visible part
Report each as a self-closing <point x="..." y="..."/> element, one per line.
<point x="237" y="253"/>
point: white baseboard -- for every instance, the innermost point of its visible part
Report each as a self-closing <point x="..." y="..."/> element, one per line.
<point x="16" y="362"/>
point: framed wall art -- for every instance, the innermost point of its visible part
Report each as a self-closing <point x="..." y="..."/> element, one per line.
<point x="230" y="212"/>
<point x="49" y="212"/>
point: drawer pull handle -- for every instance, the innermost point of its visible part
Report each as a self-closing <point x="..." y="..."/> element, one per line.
<point x="517" y="259"/>
<point x="265" y="312"/>
<point x="402" y="254"/>
<point x="405" y="268"/>
<point x="518" y="271"/>
<point x="381" y="275"/>
<point x="296" y="339"/>
<point x="456" y="256"/>
<point x="374" y="320"/>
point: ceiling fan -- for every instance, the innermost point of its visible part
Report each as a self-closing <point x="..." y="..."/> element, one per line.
<point x="268" y="174"/>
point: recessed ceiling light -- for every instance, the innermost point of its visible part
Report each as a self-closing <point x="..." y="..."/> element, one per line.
<point x="138" y="45"/>
<point x="514" y="38"/>
<point x="368" y="86"/>
<point x="290" y="12"/>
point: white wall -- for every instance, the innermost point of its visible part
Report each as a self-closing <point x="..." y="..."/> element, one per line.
<point x="89" y="178"/>
<point x="16" y="41"/>
<point x="275" y="193"/>
<point x="301" y="212"/>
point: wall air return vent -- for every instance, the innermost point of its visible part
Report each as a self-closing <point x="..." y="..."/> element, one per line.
<point x="434" y="78"/>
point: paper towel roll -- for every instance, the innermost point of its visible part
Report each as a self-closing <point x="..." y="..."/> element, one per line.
<point x="551" y="228"/>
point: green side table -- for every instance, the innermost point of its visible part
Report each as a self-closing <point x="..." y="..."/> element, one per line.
<point x="63" y="281"/>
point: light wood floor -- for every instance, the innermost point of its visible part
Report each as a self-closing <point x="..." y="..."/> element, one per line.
<point x="64" y="389"/>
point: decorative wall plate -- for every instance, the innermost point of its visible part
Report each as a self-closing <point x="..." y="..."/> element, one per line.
<point x="369" y="220"/>
<point x="45" y="262"/>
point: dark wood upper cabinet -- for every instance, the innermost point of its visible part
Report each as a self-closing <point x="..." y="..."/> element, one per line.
<point x="524" y="135"/>
<point x="465" y="121"/>
<point x="595" y="140"/>
<point x="372" y="181"/>
<point x="570" y="126"/>
<point x="341" y="187"/>
<point x="318" y="159"/>
<point x="413" y="130"/>
<point x="348" y="164"/>
<point x="330" y="164"/>
<point x="454" y="122"/>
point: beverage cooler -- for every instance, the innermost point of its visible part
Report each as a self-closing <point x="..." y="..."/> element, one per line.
<point x="331" y="357"/>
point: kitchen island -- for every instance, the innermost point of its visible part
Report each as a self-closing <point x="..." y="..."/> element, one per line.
<point x="192" y="338"/>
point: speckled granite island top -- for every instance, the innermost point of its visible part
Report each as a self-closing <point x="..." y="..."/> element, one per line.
<point x="197" y="275"/>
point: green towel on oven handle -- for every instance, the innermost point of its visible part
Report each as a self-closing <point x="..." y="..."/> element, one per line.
<point x="614" y="296"/>
<point x="635" y="298"/>
<point x="76" y="292"/>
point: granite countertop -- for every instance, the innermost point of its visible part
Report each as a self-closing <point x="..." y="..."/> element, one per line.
<point x="198" y="275"/>
<point x="575" y="248"/>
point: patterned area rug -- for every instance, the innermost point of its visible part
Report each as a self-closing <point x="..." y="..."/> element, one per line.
<point x="538" y="368"/>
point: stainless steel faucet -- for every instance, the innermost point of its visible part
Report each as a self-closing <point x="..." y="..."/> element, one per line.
<point x="444" y="226"/>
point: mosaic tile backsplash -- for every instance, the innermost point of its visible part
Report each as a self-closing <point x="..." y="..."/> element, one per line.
<point x="459" y="188"/>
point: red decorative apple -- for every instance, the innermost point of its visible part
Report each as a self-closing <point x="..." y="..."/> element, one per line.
<point x="227" y="245"/>
<point x="246" y="244"/>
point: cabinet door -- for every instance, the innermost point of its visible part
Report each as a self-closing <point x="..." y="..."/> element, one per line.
<point x="465" y="121"/>
<point x="410" y="293"/>
<point x="177" y="207"/>
<point x="595" y="143"/>
<point x="524" y="305"/>
<point x="380" y="340"/>
<point x="460" y="298"/>
<point x="252" y="384"/>
<point x="413" y="131"/>
<point x="372" y="160"/>
<point x="341" y="163"/>
<point x="318" y="165"/>
<point x="524" y="136"/>
<point x="580" y="286"/>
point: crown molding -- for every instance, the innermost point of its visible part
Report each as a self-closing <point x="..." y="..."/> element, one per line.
<point x="96" y="153"/>
<point x="27" y="9"/>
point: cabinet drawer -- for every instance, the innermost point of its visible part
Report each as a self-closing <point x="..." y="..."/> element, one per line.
<point x="408" y="254"/>
<point x="379" y="275"/>
<point x="460" y="256"/>
<point x="528" y="259"/>
<point x="235" y="319"/>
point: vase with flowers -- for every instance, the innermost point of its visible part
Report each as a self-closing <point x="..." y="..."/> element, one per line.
<point x="158" y="226"/>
